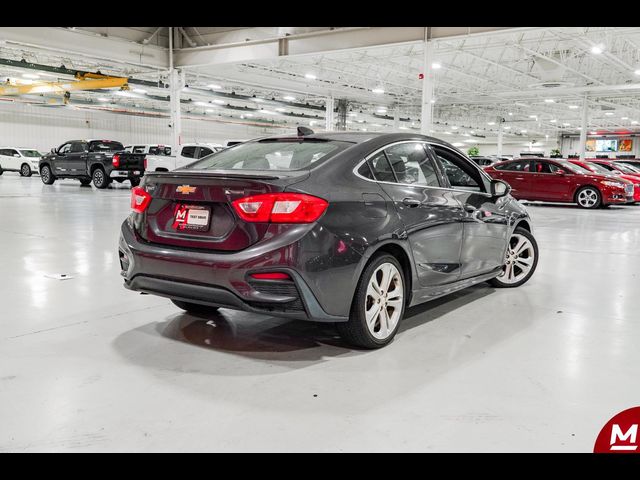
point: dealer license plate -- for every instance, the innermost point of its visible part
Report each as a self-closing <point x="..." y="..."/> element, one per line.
<point x="191" y="217"/>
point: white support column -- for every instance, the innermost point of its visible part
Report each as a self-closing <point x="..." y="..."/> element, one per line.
<point x="176" y="83"/>
<point x="329" y="117"/>
<point x="500" y="132"/>
<point x="396" y="118"/>
<point x="426" y="116"/>
<point x="583" y="127"/>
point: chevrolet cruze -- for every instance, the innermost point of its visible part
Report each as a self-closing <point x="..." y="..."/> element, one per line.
<point x="346" y="228"/>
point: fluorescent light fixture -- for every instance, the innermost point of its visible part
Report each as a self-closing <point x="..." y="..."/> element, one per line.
<point x="573" y="107"/>
<point x="218" y="101"/>
<point x="634" y="122"/>
<point x="458" y="144"/>
<point x="507" y="127"/>
<point x="268" y="112"/>
<point x="213" y="86"/>
<point x="472" y="132"/>
<point x="433" y="100"/>
<point x="381" y="110"/>
<point x="141" y="91"/>
<point x="447" y="133"/>
<point x="403" y="128"/>
<point x="597" y="49"/>
<point x="624" y="118"/>
<point x="436" y="65"/>
<point x="376" y="125"/>
<point x="510" y="113"/>
<point x="364" y="129"/>
<point x="378" y="90"/>
<point x="471" y="140"/>
<point x="30" y="75"/>
<point x="210" y="110"/>
<point x="608" y="114"/>
<point x="578" y="128"/>
<point x="103" y="99"/>
<point x="310" y="76"/>
<point x="258" y="99"/>
<point x="549" y="100"/>
<point x="280" y="109"/>
<point x="202" y="104"/>
<point x="523" y="131"/>
<point x="553" y="121"/>
<point x="533" y="116"/>
<point x="454" y="128"/>
<point x="491" y="123"/>
<point x="248" y="114"/>
<point x="593" y="133"/>
<point x="289" y="98"/>
<point x="566" y="124"/>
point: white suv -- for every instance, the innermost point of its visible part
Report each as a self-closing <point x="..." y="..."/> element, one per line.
<point x="22" y="160"/>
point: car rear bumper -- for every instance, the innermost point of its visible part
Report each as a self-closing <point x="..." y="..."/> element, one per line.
<point x="126" y="173"/>
<point x="222" y="279"/>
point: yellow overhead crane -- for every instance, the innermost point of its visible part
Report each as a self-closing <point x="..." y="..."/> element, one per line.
<point x="83" y="81"/>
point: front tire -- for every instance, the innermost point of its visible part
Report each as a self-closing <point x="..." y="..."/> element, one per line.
<point x="521" y="260"/>
<point x="194" y="308"/>
<point x="85" y="182"/>
<point x="588" y="197"/>
<point x="46" y="175"/>
<point x="100" y="179"/>
<point x="25" y="170"/>
<point x="378" y="304"/>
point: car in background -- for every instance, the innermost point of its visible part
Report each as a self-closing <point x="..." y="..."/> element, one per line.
<point x="149" y="149"/>
<point x="100" y="161"/>
<point x="618" y="167"/>
<point x="342" y="227"/>
<point x="22" y="160"/>
<point x="597" y="168"/>
<point x="631" y="162"/>
<point x="555" y="180"/>
<point x="188" y="152"/>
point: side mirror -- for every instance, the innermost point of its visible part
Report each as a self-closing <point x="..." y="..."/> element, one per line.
<point x="499" y="188"/>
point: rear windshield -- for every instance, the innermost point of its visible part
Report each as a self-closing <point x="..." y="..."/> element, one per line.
<point x="271" y="155"/>
<point x="105" y="146"/>
<point x="159" y="150"/>
<point x="30" y="153"/>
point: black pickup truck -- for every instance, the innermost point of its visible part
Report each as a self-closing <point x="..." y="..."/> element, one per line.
<point x="100" y="161"/>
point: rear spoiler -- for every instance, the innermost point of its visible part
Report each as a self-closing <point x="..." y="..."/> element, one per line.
<point x="211" y="173"/>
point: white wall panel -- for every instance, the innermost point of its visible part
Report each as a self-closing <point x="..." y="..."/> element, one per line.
<point x="46" y="127"/>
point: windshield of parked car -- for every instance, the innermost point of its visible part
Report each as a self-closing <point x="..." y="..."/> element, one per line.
<point x="105" y="146"/>
<point x="594" y="167"/>
<point x="272" y="154"/>
<point x="627" y="168"/>
<point x="30" y="153"/>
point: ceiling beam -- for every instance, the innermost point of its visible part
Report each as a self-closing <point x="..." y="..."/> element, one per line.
<point x="76" y="42"/>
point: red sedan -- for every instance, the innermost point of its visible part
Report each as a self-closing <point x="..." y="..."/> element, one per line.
<point x="598" y="168"/>
<point x="560" y="181"/>
<point x="618" y="168"/>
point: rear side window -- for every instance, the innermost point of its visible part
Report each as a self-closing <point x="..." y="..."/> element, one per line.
<point x="517" y="166"/>
<point x="268" y="155"/>
<point x="138" y="149"/>
<point x="30" y="153"/>
<point x="189" y="152"/>
<point x="381" y="168"/>
<point x="412" y="165"/>
<point x="204" y="151"/>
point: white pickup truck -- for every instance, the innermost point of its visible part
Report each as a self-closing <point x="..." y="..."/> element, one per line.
<point x="189" y="152"/>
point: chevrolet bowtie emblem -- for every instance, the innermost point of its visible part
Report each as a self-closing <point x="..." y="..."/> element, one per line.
<point x="186" y="189"/>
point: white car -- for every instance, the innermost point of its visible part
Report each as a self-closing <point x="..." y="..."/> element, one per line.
<point x="153" y="149"/>
<point x="189" y="152"/>
<point x="22" y="160"/>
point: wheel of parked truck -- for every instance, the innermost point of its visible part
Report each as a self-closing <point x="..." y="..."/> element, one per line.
<point x="134" y="182"/>
<point x="1" y="171"/>
<point x="85" y="182"/>
<point x="521" y="260"/>
<point x="194" y="308"/>
<point x="378" y="304"/>
<point x="100" y="179"/>
<point x="588" y="197"/>
<point x="25" y="170"/>
<point x="46" y="175"/>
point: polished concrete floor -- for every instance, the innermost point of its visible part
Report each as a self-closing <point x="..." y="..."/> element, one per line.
<point x="86" y="365"/>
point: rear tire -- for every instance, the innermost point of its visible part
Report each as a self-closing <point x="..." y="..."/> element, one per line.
<point x="134" y="182"/>
<point x="85" y="182"/>
<point x="46" y="175"/>
<point x="100" y="179"/>
<point x="521" y="260"/>
<point x="378" y="304"/>
<point x="25" y="170"/>
<point x="195" y="308"/>
<point x="588" y="197"/>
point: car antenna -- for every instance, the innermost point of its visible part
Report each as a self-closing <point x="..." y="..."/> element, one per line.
<point x="304" y="131"/>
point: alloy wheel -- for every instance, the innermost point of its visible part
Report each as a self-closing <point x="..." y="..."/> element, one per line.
<point x="588" y="198"/>
<point x="519" y="259"/>
<point x="25" y="170"/>
<point x="384" y="301"/>
<point x="45" y="174"/>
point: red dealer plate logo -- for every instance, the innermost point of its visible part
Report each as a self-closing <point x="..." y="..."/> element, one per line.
<point x="620" y="434"/>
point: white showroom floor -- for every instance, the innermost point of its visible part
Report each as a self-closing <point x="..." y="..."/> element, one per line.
<point x="86" y="365"/>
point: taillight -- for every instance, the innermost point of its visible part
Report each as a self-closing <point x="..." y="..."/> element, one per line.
<point x="140" y="199"/>
<point x="271" y="276"/>
<point x="116" y="161"/>
<point x="145" y="163"/>
<point x="280" y="208"/>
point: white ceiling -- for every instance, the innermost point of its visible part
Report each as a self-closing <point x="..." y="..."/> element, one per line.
<point x="534" y="78"/>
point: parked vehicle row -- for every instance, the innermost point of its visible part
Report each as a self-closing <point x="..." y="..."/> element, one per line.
<point x="21" y="160"/>
<point x="558" y="180"/>
<point x="189" y="152"/>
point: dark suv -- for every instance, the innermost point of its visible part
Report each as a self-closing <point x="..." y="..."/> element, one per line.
<point x="347" y="228"/>
<point x="100" y="161"/>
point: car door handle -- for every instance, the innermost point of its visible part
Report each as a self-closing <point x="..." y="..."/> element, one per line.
<point x="411" y="202"/>
<point x="519" y="178"/>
